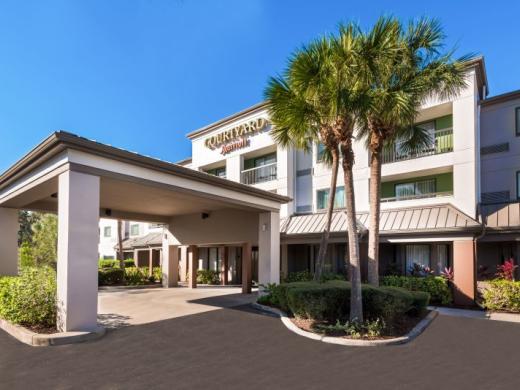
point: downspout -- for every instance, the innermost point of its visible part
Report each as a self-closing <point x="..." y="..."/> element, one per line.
<point x="475" y="252"/>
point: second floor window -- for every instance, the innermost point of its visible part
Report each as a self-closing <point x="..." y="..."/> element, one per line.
<point x="219" y="172"/>
<point x="323" y="198"/>
<point x="107" y="231"/>
<point x="407" y="190"/>
<point x="134" y="230"/>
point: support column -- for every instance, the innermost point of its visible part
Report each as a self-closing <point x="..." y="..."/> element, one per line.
<point x="246" y="268"/>
<point x="184" y="263"/>
<point x="464" y="273"/>
<point x="170" y="265"/>
<point x="224" y="267"/>
<point x="9" y="227"/>
<point x="269" y="248"/>
<point x="78" y="237"/>
<point x="193" y="255"/>
<point x="136" y="257"/>
<point x="150" y="261"/>
<point x="284" y="259"/>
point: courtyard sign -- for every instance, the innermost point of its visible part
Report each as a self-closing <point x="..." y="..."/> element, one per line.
<point x="236" y="137"/>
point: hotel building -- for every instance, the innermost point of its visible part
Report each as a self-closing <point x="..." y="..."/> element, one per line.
<point x="452" y="204"/>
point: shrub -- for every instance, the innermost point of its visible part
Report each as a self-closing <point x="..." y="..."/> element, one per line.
<point x="330" y="301"/>
<point x="436" y="286"/>
<point x="136" y="276"/>
<point x="507" y="270"/>
<point x="129" y="263"/>
<point x="157" y="274"/>
<point x="110" y="276"/>
<point x="502" y="295"/>
<point x="29" y="299"/>
<point x="355" y="329"/>
<point x="301" y="276"/>
<point x="208" y="276"/>
<point x="108" y="263"/>
<point x="26" y="255"/>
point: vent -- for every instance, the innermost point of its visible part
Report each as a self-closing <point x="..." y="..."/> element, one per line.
<point x="497" y="148"/>
<point x="495" y="197"/>
<point x="303" y="172"/>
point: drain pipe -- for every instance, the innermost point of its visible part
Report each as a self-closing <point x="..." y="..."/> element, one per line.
<point x="475" y="239"/>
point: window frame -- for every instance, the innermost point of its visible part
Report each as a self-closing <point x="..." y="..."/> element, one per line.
<point x="415" y="186"/>
<point x="109" y="230"/>
<point x="326" y="190"/>
<point x="517" y="121"/>
<point x="132" y="229"/>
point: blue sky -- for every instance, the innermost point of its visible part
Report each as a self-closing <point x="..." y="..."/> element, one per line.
<point x="141" y="74"/>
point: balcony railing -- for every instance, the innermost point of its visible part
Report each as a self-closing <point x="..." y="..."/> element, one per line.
<point x="443" y="143"/>
<point x="417" y="196"/>
<point x="259" y="174"/>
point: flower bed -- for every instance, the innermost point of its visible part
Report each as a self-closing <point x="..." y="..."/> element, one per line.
<point x="324" y="308"/>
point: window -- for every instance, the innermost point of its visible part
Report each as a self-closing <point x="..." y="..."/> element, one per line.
<point x="417" y="254"/>
<point x="517" y="121"/>
<point x="219" y="172"/>
<point x="107" y="231"/>
<point x="517" y="184"/>
<point x="260" y="161"/>
<point x="405" y="190"/>
<point x="134" y="230"/>
<point x="321" y="152"/>
<point x="323" y="198"/>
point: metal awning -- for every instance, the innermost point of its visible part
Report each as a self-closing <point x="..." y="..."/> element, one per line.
<point x="431" y="219"/>
<point x="503" y="217"/>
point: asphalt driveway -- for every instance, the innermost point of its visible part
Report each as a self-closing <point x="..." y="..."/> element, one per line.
<point x="239" y="348"/>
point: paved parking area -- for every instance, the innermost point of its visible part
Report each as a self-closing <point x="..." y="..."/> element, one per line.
<point x="240" y="348"/>
<point x="120" y="307"/>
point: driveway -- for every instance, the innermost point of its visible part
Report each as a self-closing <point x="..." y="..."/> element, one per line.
<point x="239" y="348"/>
<point x="120" y="307"/>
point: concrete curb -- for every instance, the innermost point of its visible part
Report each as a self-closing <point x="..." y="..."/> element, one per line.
<point x="33" y="339"/>
<point x="122" y="288"/>
<point x="416" y="331"/>
<point x="477" y="314"/>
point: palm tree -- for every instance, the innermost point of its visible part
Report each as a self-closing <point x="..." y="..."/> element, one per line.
<point x="402" y="68"/>
<point x="301" y="107"/>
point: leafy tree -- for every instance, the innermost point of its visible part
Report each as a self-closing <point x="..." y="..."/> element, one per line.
<point x="26" y="219"/>
<point x="45" y="239"/>
<point x="402" y="66"/>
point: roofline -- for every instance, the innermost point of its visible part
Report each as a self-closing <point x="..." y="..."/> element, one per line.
<point x="480" y="65"/>
<point x="62" y="140"/>
<point x="504" y="97"/>
<point x="186" y="160"/>
<point x="226" y="120"/>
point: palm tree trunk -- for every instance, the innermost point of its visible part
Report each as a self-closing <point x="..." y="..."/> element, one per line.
<point x="356" y="301"/>
<point x="375" y="208"/>
<point x="320" y="261"/>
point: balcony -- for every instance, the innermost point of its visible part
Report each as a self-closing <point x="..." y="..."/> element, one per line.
<point x="417" y="196"/>
<point x="261" y="174"/>
<point x="443" y="143"/>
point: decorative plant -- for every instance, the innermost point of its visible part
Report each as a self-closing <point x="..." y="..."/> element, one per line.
<point x="447" y="274"/>
<point x="507" y="270"/>
<point x="420" y="270"/>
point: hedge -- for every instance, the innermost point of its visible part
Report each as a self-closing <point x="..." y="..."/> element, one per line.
<point x="110" y="276"/>
<point x="330" y="301"/>
<point x="436" y="286"/>
<point x="208" y="276"/>
<point x="111" y="263"/>
<point x="29" y="299"/>
<point x="503" y="295"/>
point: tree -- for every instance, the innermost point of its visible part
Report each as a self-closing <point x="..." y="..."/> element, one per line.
<point x="45" y="239"/>
<point x="402" y="67"/>
<point x="301" y="107"/>
<point x="26" y="219"/>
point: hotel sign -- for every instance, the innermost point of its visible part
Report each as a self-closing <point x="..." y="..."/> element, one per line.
<point x="237" y="137"/>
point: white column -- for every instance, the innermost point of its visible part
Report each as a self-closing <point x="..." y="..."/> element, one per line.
<point x="9" y="227"/>
<point x="285" y="175"/>
<point x="269" y="248"/>
<point x="234" y="168"/>
<point x="284" y="258"/>
<point x="78" y="237"/>
<point x="170" y="263"/>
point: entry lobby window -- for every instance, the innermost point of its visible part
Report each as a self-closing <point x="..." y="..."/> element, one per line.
<point x="107" y="231"/>
<point x="323" y="198"/>
<point x="259" y="169"/>
<point x="134" y="230"/>
<point x="219" y="172"/>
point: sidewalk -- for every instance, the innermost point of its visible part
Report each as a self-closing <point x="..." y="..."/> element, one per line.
<point x="478" y="314"/>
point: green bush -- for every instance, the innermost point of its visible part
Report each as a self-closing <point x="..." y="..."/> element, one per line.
<point x="502" y="295"/>
<point x="129" y="263"/>
<point x="26" y="255"/>
<point x="301" y="276"/>
<point x="136" y="276"/>
<point x="110" y="276"/>
<point x="157" y="274"/>
<point x="330" y="301"/>
<point x="208" y="276"/>
<point x="29" y="299"/>
<point x="108" y="263"/>
<point x="436" y="286"/>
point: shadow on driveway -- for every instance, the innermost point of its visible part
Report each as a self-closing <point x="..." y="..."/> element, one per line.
<point x="240" y="348"/>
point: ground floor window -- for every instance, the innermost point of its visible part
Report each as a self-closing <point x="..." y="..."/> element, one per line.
<point x="434" y="257"/>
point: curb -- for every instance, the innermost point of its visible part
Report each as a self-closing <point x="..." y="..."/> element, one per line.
<point x="416" y="331"/>
<point x="33" y="339"/>
<point x="122" y="288"/>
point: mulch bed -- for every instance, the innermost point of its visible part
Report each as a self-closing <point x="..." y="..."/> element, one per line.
<point x="398" y="329"/>
<point x="41" y="329"/>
